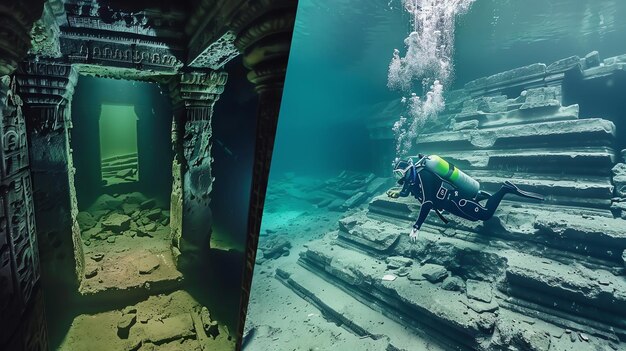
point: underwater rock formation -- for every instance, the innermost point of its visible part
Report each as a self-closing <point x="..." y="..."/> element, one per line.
<point x="537" y="276"/>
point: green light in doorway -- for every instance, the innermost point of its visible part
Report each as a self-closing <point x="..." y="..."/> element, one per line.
<point x="118" y="144"/>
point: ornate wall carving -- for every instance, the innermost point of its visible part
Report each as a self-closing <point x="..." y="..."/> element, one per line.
<point x="193" y="96"/>
<point x="19" y="257"/>
<point x="47" y="88"/>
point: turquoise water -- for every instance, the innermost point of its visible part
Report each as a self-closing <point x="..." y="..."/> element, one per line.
<point x="484" y="88"/>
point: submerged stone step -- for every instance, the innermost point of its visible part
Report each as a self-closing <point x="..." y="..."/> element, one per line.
<point x="574" y="231"/>
<point x="342" y="308"/>
<point x="118" y="168"/>
<point x="119" y="157"/>
<point x="591" y="131"/>
<point x="476" y="317"/>
<point x="587" y="161"/>
<point x="422" y="300"/>
<point x="595" y="294"/>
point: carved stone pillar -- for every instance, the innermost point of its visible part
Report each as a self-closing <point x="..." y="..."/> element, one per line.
<point x="193" y="96"/>
<point x="22" y="320"/>
<point x="47" y="90"/>
<point x="264" y="37"/>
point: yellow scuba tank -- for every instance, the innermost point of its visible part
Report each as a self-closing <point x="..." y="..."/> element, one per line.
<point x="465" y="184"/>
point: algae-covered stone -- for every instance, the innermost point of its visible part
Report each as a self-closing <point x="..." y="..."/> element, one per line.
<point x="619" y="179"/>
<point x="85" y="220"/>
<point x="116" y="222"/>
<point x="148" y="264"/>
<point x="148" y="204"/>
<point x="434" y="273"/>
<point x="395" y="262"/>
<point x="453" y="284"/>
<point x="478" y="290"/>
<point x="592" y="59"/>
<point x="124" y="325"/>
<point x="154" y="214"/>
<point x="168" y="329"/>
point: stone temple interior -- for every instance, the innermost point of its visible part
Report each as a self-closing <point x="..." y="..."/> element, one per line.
<point x="107" y="111"/>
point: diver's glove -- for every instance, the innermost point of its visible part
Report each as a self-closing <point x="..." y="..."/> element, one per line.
<point x="414" y="233"/>
<point x="393" y="193"/>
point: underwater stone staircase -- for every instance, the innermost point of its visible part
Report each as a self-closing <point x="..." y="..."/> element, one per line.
<point x="538" y="276"/>
<point x="119" y="169"/>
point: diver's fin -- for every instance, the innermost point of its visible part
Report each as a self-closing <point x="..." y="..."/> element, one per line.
<point x="517" y="191"/>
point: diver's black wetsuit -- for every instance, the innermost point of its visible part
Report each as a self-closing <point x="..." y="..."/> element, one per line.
<point x="434" y="193"/>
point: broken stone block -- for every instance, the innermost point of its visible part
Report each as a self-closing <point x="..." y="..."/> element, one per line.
<point x="85" y="220"/>
<point x="478" y="290"/>
<point x="275" y="247"/>
<point x="142" y="232"/>
<point x="97" y="257"/>
<point x="453" y="284"/>
<point x="434" y="273"/>
<point x="209" y="326"/>
<point x="116" y="222"/>
<point x="92" y="233"/>
<point x="168" y="329"/>
<point x="148" y="264"/>
<point x="336" y="205"/>
<point x="415" y="274"/>
<point x="125" y="173"/>
<point x="106" y="202"/>
<point x="130" y="208"/>
<point x="564" y="64"/>
<point x="91" y="272"/>
<point x="148" y="204"/>
<point x="592" y="59"/>
<point x="111" y="239"/>
<point x="471" y="124"/>
<point x="375" y="186"/>
<point x="395" y="262"/>
<point x="355" y="200"/>
<point x="150" y="227"/>
<point x="154" y="214"/>
<point x="124" y="325"/>
<point x="129" y="309"/>
<point x="535" y="340"/>
<point x="619" y="179"/>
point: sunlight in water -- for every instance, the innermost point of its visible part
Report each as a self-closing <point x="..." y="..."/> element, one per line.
<point x="428" y="59"/>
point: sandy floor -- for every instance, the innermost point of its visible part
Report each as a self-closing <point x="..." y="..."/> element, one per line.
<point x="163" y="322"/>
<point x="133" y="296"/>
<point x="278" y="319"/>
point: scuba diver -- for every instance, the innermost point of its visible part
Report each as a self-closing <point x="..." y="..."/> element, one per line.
<point x="439" y="185"/>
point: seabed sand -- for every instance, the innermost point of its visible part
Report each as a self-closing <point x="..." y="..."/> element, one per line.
<point x="133" y="297"/>
<point x="279" y="319"/>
